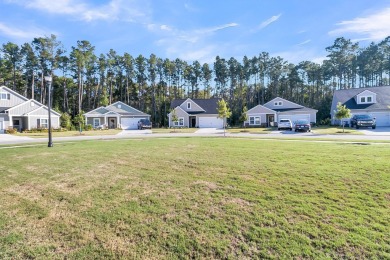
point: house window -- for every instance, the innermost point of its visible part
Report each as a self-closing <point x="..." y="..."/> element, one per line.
<point x="96" y="122"/>
<point x="366" y="99"/>
<point x="5" y="96"/>
<point x="180" y="122"/>
<point x="119" y="106"/>
<point x="254" y="120"/>
<point x="189" y="105"/>
<point x="43" y="123"/>
<point x="32" y="103"/>
<point x="278" y="103"/>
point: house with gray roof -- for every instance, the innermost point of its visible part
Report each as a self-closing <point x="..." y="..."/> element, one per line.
<point x="21" y="113"/>
<point x="279" y="108"/>
<point x="374" y="101"/>
<point x="201" y="113"/>
<point x="116" y="115"/>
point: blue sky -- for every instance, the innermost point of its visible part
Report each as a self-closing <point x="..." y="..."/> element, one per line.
<point x="296" y="30"/>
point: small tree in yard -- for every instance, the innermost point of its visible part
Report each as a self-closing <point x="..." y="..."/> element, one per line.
<point x="223" y="112"/>
<point x="174" y="119"/>
<point x="244" y="116"/>
<point x="342" y="112"/>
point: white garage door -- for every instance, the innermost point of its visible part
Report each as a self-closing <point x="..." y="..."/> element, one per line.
<point x="294" y="118"/>
<point x="382" y="119"/>
<point x="129" y="123"/>
<point x="210" y="122"/>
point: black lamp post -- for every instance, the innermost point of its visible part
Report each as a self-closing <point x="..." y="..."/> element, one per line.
<point x="48" y="80"/>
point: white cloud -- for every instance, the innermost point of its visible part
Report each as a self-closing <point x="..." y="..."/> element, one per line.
<point x="79" y="9"/>
<point x="269" y="21"/>
<point x="22" y="33"/>
<point x="304" y="42"/>
<point x="372" y="27"/>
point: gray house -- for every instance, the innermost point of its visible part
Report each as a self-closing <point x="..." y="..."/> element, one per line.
<point x="21" y="113"/>
<point x="200" y="113"/>
<point x="278" y="108"/>
<point x="116" y="115"/>
<point x="374" y="101"/>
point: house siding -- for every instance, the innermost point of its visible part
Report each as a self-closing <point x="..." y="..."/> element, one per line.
<point x="32" y="122"/>
<point x="194" y="106"/>
<point x="24" y="108"/>
<point x="14" y="100"/>
<point x="180" y="113"/>
<point x="285" y="104"/>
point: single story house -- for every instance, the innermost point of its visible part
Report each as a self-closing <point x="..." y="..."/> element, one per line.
<point x="374" y="101"/>
<point x="260" y="116"/>
<point x="201" y="113"/>
<point x="21" y="113"/>
<point x="278" y="108"/>
<point x="116" y="115"/>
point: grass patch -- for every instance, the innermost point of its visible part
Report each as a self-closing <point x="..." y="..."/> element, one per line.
<point x="251" y="130"/>
<point x="195" y="198"/>
<point x="172" y="130"/>
<point x="335" y="130"/>
<point x="72" y="133"/>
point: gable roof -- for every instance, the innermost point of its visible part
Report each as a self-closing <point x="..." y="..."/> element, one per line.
<point x="13" y="92"/>
<point x="347" y="98"/>
<point x="122" y="108"/>
<point x="291" y="105"/>
<point x="210" y="106"/>
<point x="116" y="108"/>
<point x="259" y="109"/>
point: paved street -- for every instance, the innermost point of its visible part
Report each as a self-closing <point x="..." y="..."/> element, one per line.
<point x="370" y="135"/>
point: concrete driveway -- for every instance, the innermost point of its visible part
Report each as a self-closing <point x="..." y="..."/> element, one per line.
<point x="380" y="130"/>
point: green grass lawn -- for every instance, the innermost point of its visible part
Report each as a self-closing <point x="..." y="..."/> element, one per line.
<point x="251" y="130"/>
<point x="335" y="130"/>
<point x="173" y="130"/>
<point x="195" y="198"/>
<point x="72" y="133"/>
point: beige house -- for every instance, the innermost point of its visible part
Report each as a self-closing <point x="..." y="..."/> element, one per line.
<point x="21" y="113"/>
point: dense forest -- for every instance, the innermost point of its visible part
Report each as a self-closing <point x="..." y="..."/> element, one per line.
<point x="84" y="80"/>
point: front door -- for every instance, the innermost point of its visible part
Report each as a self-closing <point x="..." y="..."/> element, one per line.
<point x="112" y="122"/>
<point x="270" y="120"/>
<point x="192" y="121"/>
<point x="17" y="123"/>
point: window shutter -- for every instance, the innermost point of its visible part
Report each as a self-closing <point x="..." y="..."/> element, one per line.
<point x="38" y="123"/>
<point x="8" y="96"/>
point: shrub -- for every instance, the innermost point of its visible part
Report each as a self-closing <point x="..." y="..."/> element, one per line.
<point x="88" y="127"/>
<point x="11" y="131"/>
<point x="325" y="121"/>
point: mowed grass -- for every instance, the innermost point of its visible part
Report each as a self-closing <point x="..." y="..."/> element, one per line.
<point x="195" y="198"/>
<point x="335" y="130"/>
<point x="251" y="130"/>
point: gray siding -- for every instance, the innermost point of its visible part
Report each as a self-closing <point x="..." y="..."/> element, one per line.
<point x="25" y="108"/>
<point x="285" y="104"/>
<point x="14" y="99"/>
<point x="32" y="121"/>
<point x="194" y="106"/>
<point x="180" y="113"/>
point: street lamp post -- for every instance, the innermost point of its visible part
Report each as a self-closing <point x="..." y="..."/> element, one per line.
<point x="48" y="80"/>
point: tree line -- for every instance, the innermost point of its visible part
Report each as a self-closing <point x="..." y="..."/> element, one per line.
<point x="84" y="80"/>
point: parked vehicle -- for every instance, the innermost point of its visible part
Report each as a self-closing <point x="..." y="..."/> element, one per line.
<point x="285" y="124"/>
<point x="302" y="125"/>
<point x="364" y="120"/>
<point x="144" y="124"/>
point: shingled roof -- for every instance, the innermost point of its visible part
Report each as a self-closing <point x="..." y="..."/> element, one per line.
<point x="209" y="105"/>
<point x="347" y="98"/>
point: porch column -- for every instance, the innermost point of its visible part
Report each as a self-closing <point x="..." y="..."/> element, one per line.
<point x="11" y="123"/>
<point x="105" y="121"/>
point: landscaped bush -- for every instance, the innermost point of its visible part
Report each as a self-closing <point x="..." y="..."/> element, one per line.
<point x="44" y="130"/>
<point x="11" y="131"/>
<point x="88" y="128"/>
